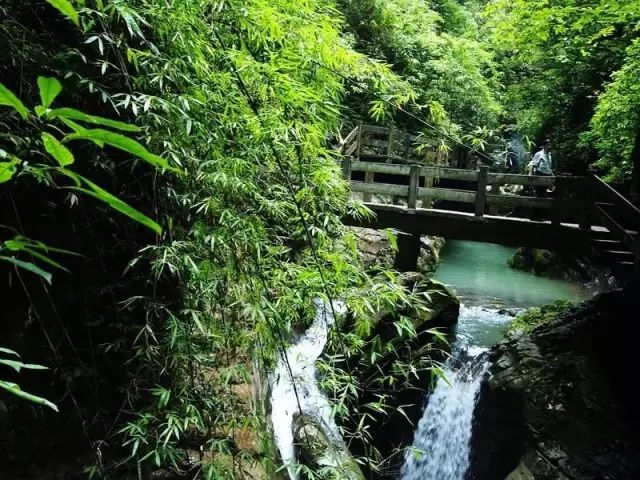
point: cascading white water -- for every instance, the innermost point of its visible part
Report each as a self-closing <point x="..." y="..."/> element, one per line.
<point x="444" y="432"/>
<point x="301" y="358"/>
<point x="441" y="444"/>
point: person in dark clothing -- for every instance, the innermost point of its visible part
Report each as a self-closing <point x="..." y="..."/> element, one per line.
<point x="511" y="161"/>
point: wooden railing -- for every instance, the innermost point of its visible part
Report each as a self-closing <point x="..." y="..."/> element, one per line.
<point x="617" y="214"/>
<point x="586" y="200"/>
<point x="412" y="190"/>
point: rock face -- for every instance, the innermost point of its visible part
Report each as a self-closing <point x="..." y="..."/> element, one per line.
<point x="376" y="250"/>
<point x="561" y="402"/>
<point x="574" y="268"/>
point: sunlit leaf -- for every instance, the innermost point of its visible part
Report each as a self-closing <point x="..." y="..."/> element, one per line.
<point x="123" y="143"/>
<point x="10" y="352"/>
<point x="49" y="88"/>
<point x="15" y="390"/>
<point x="117" y="204"/>
<point x="57" y="150"/>
<point x="10" y="100"/>
<point x="66" y="8"/>
<point x="73" y="114"/>
<point x="28" y="266"/>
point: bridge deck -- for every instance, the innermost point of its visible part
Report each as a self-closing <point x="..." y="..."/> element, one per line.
<point x="576" y="204"/>
<point x="488" y="228"/>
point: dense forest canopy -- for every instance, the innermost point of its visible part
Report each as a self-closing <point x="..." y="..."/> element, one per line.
<point x="170" y="203"/>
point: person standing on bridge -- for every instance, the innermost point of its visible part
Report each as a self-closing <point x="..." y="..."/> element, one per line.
<point x="511" y="161"/>
<point x="542" y="164"/>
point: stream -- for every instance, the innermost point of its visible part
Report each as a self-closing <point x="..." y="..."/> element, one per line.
<point x="486" y="286"/>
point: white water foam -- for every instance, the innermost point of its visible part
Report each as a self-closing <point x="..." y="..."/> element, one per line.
<point x="441" y="444"/>
<point x="284" y="404"/>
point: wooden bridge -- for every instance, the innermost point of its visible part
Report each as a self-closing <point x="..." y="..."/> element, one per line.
<point x="581" y="215"/>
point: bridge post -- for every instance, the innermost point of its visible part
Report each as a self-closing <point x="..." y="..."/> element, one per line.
<point x="588" y="190"/>
<point x="346" y="168"/>
<point x="414" y="182"/>
<point x="557" y="207"/>
<point x="408" y="252"/>
<point x="481" y="195"/>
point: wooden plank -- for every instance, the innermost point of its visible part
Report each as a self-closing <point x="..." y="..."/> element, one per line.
<point x="481" y="197"/>
<point x="628" y="209"/>
<point x="518" y="201"/>
<point x="414" y="181"/>
<point x="559" y="201"/>
<point x="352" y="135"/>
<point x="390" y="144"/>
<point x="618" y="230"/>
<point x="359" y="140"/>
<point x="466" y="226"/>
<point x="389" y="168"/>
<point x="380" y="188"/>
<point x="382" y="156"/>
<point x="375" y="129"/>
<point x="451" y="195"/>
<point x="369" y="177"/>
<point x="516" y="179"/>
<point x="351" y="148"/>
<point x="372" y="142"/>
<point x="449" y="173"/>
<point x="346" y="168"/>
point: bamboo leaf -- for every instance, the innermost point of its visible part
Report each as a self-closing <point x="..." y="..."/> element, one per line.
<point x="57" y="150"/>
<point x="117" y="204"/>
<point x="15" y="364"/>
<point x="65" y="7"/>
<point x="123" y="143"/>
<point x="28" y="266"/>
<point x="73" y="114"/>
<point x="49" y="88"/>
<point x="15" y="390"/>
<point x="10" y="100"/>
<point x="10" y="352"/>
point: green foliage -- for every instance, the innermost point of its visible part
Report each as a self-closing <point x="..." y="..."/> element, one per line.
<point x="435" y="48"/>
<point x="537" y="316"/>
<point x="49" y="89"/>
<point x="557" y="56"/>
<point x="14" y="388"/>
<point x="617" y="117"/>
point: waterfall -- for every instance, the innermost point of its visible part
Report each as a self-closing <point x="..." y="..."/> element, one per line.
<point x="301" y="357"/>
<point x="441" y="443"/>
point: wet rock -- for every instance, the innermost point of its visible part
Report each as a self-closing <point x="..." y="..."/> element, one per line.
<point x="560" y="403"/>
<point x="574" y="268"/>
<point x="318" y="450"/>
<point x="376" y="251"/>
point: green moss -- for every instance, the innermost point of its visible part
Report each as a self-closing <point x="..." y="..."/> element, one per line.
<point x="536" y="316"/>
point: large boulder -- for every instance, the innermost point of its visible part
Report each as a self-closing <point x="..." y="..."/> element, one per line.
<point x="376" y="251"/>
<point x="322" y="452"/>
<point x="561" y="400"/>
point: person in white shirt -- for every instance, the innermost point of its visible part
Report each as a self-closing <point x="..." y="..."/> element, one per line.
<point x="542" y="163"/>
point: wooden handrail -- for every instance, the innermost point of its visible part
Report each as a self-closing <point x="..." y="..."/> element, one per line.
<point x="629" y="209"/>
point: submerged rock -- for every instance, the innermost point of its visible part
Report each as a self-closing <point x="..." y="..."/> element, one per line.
<point x="561" y="403"/>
